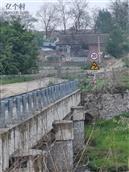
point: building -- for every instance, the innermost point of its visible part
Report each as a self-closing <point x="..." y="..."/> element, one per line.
<point x="82" y="44"/>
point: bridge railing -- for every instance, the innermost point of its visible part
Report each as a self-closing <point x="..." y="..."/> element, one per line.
<point x="17" y="108"/>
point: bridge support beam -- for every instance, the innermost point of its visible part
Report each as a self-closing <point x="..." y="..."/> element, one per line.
<point x="62" y="151"/>
<point x="78" y="128"/>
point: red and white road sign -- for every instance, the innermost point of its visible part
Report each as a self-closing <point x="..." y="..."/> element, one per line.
<point x="94" y="56"/>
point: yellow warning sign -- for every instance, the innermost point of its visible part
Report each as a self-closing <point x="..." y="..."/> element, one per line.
<point x="95" y="66"/>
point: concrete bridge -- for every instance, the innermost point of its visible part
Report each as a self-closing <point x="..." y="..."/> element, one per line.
<point x="27" y="118"/>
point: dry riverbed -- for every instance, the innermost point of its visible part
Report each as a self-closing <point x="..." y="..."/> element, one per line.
<point x="18" y="88"/>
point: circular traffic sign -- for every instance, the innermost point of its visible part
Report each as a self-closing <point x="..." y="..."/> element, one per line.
<point x="94" y="56"/>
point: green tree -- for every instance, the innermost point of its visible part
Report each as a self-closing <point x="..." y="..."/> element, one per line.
<point x="118" y="43"/>
<point x="120" y="11"/>
<point x="18" y="52"/>
<point x="39" y="38"/>
<point x="103" y="23"/>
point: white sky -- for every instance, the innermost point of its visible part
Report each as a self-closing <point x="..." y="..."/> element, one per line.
<point x="34" y="5"/>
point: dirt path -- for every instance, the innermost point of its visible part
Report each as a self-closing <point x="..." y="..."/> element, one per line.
<point x="18" y="88"/>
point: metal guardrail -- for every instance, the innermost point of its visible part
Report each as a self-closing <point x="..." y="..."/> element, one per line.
<point x="17" y="108"/>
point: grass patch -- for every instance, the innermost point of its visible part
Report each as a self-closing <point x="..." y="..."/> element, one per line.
<point x="109" y="146"/>
<point x="88" y="86"/>
<point x="15" y="79"/>
<point x="118" y="83"/>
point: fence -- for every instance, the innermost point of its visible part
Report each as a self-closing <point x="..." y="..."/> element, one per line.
<point x="17" y="108"/>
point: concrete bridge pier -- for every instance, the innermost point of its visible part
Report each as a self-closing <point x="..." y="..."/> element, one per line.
<point x="61" y="153"/>
<point x="78" y="128"/>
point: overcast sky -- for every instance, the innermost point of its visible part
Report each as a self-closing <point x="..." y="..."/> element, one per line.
<point x="34" y="5"/>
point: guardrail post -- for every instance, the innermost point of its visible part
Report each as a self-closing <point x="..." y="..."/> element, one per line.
<point x="18" y="108"/>
<point x="30" y="101"/>
<point x="50" y="94"/>
<point x="62" y="90"/>
<point x="57" y="91"/>
<point x="47" y="96"/>
<point x="39" y="99"/>
<point x="10" y="110"/>
<point x="53" y="93"/>
<point x="35" y="107"/>
<point x="25" y="106"/>
<point x="71" y="86"/>
<point x="68" y="87"/>
<point x="2" y="114"/>
<point x="44" y="98"/>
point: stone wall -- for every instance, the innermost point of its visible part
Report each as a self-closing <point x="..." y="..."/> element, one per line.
<point x="106" y="105"/>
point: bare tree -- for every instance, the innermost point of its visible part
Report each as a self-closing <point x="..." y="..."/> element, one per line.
<point x="63" y="13"/>
<point x="28" y="20"/>
<point x="95" y="13"/>
<point x="48" y="16"/>
<point x="79" y="14"/>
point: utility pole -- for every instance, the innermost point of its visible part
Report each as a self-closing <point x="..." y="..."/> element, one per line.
<point x="99" y="53"/>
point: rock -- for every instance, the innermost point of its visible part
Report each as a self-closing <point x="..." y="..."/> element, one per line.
<point x="106" y="105"/>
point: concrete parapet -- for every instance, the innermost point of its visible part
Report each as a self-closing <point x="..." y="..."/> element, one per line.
<point x="78" y="128"/>
<point x="20" y="107"/>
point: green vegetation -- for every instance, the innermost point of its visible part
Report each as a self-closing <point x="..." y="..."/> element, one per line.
<point x="118" y="43"/>
<point x="51" y="83"/>
<point x="115" y="23"/>
<point x="18" y="50"/>
<point x="70" y="76"/>
<point x="118" y="83"/>
<point x="15" y="78"/>
<point x="38" y="38"/>
<point x="86" y="66"/>
<point x="108" y="149"/>
<point x="88" y="86"/>
<point x="126" y="62"/>
<point x="103" y="22"/>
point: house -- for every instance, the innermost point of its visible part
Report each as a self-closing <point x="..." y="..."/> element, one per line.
<point x="49" y="44"/>
<point x="82" y="44"/>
